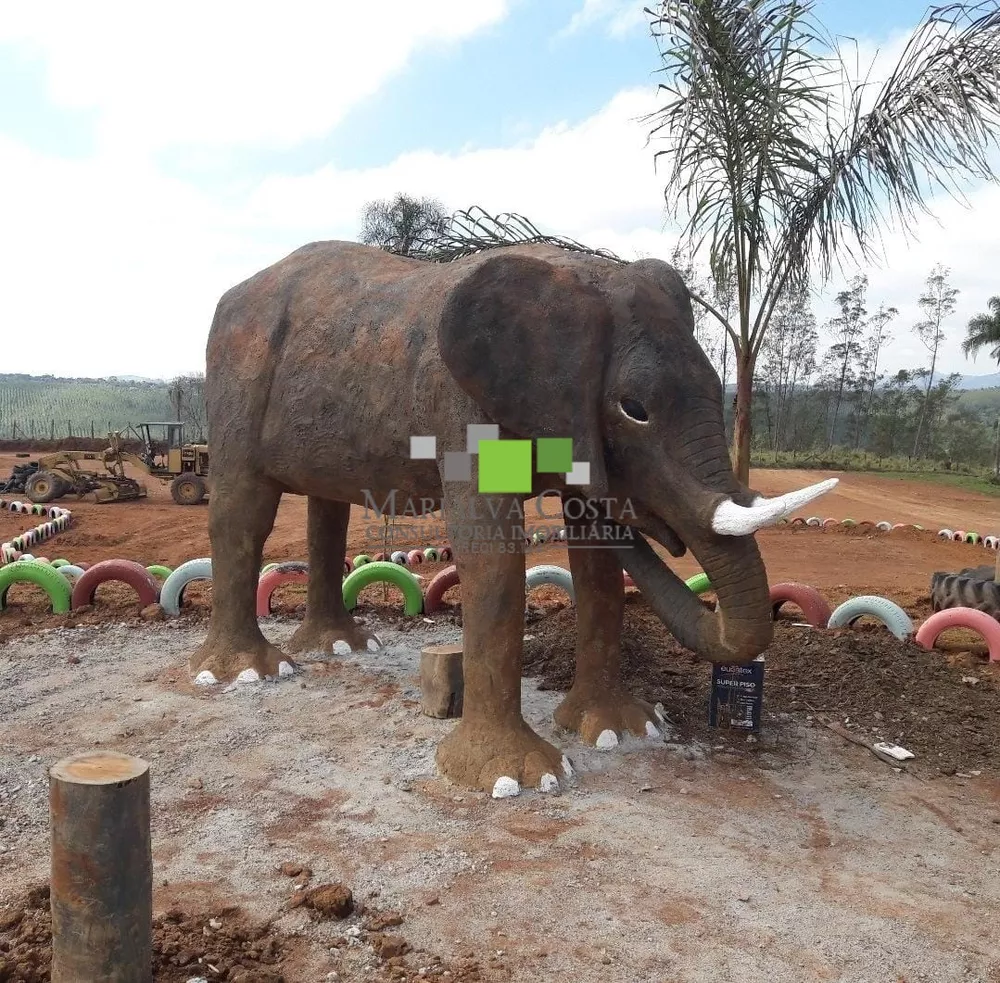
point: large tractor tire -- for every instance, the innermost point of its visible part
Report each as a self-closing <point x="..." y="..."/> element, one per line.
<point x="188" y="489"/>
<point x="43" y="487"/>
<point x="972" y="587"/>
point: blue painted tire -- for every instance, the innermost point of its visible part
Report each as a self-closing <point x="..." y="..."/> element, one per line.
<point x="889" y="613"/>
<point x="548" y="573"/>
<point x="71" y="572"/>
<point x="172" y="591"/>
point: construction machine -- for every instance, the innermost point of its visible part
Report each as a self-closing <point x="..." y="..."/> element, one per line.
<point x="61" y="474"/>
<point x="164" y="455"/>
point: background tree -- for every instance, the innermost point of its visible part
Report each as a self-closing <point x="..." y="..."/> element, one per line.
<point x="776" y="162"/>
<point x="187" y="395"/>
<point x="846" y="329"/>
<point x="877" y="338"/>
<point x="984" y="332"/>
<point x="938" y="304"/>
<point x="403" y="225"/>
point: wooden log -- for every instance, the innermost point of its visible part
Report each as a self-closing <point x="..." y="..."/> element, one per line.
<point x="442" y="684"/>
<point x="102" y="873"/>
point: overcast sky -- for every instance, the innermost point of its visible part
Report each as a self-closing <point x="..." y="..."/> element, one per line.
<point x="152" y="156"/>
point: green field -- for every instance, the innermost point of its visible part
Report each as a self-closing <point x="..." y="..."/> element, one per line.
<point x="42" y="406"/>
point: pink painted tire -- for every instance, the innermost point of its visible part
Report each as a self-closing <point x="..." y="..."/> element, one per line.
<point x="270" y="582"/>
<point x="899" y="525"/>
<point x="798" y="521"/>
<point x="347" y="567"/>
<point x="958" y="536"/>
<point x="629" y="582"/>
<point x="445" y="554"/>
<point x="830" y="522"/>
<point x="978" y="621"/>
<point x="814" y="606"/>
<point x="441" y="582"/>
<point x="123" y="571"/>
<point x="414" y="557"/>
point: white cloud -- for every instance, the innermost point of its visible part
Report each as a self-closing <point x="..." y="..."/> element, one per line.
<point x="619" y="17"/>
<point x="227" y="73"/>
<point x="112" y="267"/>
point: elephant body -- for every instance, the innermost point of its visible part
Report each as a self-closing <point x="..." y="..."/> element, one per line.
<point x="321" y="368"/>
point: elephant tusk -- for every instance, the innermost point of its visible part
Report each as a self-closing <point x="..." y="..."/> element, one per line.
<point x="731" y="519"/>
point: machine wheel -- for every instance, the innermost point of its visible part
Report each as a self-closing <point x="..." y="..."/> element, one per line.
<point x="43" y="486"/>
<point x="188" y="489"/>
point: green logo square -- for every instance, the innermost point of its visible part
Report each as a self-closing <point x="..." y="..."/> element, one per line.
<point x="504" y="466"/>
<point x="555" y="455"/>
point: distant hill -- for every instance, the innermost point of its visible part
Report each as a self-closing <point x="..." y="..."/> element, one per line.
<point x="40" y="406"/>
<point x="991" y="381"/>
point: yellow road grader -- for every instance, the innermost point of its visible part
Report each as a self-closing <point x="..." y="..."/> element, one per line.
<point x="164" y="456"/>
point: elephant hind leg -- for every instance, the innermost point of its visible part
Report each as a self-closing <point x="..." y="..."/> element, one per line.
<point x="241" y="513"/>
<point x="328" y="626"/>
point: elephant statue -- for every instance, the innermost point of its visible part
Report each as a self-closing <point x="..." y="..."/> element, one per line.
<point x="321" y="368"/>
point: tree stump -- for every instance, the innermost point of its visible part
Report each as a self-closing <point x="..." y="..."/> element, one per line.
<point x="102" y="872"/>
<point x="441" y="681"/>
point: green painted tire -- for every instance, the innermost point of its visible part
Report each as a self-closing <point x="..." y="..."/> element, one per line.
<point x="699" y="583"/>
<point x="159" y="570"/>
<point x="848" y="522"/>
<point x="60" y="563"/>
<point x="361" y="560"/>
<point x="381" y="572"/>
<point x="267" y="568"/>
<point x="48" y="578"/>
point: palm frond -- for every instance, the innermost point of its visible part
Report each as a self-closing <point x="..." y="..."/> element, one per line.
<point x="933" y="125"/>
<point x="742" y="84"/>
<point x="473" y="230"/>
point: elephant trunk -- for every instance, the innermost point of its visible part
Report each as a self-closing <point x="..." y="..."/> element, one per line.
<point x="740" y="628"/>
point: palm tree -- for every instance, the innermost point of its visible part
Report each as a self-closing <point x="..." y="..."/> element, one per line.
<point x="784" y="165"/>
<point x="984" y="332"/>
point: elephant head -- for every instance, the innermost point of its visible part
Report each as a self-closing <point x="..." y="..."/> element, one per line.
<point x="606" y="354"/>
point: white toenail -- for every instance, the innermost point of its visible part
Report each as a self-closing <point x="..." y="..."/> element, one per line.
<point x="549" y="783"/>
<point x="205" y="678"/>
<point x="372" y="645"/>
<point x="607" y="740"/>
<point x="248" y="676"/>
<point x="567" y="767"/>
<point x="286" y="669"/>
<point x="652" y="730"/>
<point x="340" y="647"/>
<point x="505" y="788"/>
<point x="660" y="714"/>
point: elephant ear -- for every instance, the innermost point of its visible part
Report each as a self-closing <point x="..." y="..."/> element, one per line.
<point x="529" y="342"/>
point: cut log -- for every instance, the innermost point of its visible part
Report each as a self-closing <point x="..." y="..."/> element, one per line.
<point x="441" y="681"/>
<point x="102" y="873"/>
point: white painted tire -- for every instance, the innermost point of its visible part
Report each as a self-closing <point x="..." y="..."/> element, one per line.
<point x="547" y="573"/>
<point x="945" y="533"/>
<point x="889" y="613"/>
<point x="884" y="526"/>
<point x="71" y="572"/>
<point x="172" y="591"/>
<point x="991" y="542"/>
<point x="814" y="520"/>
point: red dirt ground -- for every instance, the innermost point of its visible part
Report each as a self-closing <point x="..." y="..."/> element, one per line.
<point x="841" y="563"/>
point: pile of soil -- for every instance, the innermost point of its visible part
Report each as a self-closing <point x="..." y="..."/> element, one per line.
<point x="229" y="947"/>
<point x="863" y="678"/>
<point x="184" y="946"/>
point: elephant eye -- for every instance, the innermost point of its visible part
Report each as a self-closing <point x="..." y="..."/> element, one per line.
<point x="634" y="410"/>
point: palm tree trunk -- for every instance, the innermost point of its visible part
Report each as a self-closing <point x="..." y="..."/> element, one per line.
<point x="742" y="423"/>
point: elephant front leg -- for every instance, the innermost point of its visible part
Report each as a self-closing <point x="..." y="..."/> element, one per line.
<point x="328" y="625"/>
<point x="598" y="707"/>
<point x="240" y="517"/>
<point x="492" y="747"/>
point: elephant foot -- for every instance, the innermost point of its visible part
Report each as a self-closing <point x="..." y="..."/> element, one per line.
<point x="244" y="661"/>
<point x="501" y="758"/>
<point x="338" y="637"/>
<point x="602" y="718"/>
